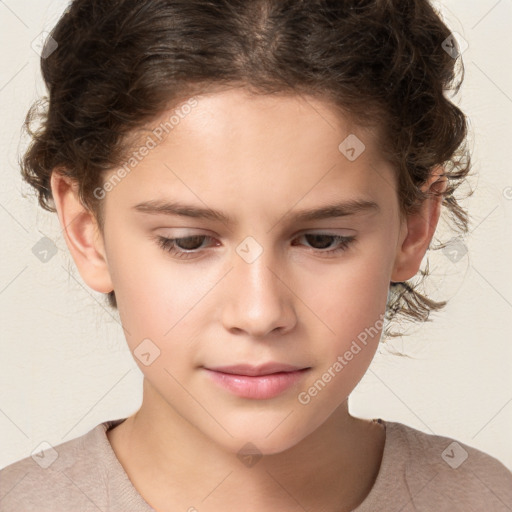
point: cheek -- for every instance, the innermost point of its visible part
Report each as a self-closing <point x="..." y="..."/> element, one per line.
<point x="351" y="301"/>
<point x="343" y="356"/>
<point x="352" y="293"/>
<point x="159" y="299"/>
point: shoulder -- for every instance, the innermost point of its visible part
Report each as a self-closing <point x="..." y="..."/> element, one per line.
<point x="78" y="474"/>
<point x="451" y="472"/>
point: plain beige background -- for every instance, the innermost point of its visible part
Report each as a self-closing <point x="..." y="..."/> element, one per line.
<point x="64" y="365"/>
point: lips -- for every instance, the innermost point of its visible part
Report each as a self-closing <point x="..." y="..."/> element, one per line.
<point x="256" y="382"/>
<point x="255" y="371"/>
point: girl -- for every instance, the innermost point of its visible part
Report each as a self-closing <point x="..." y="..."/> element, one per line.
<point x="253" y="185"/>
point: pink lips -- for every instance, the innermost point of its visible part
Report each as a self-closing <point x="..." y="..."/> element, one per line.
<point x="257" y="382"/>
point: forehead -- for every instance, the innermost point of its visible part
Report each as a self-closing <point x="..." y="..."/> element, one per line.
<point x="266" y="149"/>
<point x="273" y="118"/>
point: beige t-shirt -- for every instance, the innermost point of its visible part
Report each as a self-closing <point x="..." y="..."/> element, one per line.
<point x="419" y="472"/>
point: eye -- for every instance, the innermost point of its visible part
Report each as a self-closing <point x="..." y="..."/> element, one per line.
<point x="187" y="247"/>
<point x="181" y="247"/>
<point x="326" y="239"/>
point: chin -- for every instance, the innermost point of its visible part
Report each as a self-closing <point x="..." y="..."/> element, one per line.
<point x="253" y="440"/>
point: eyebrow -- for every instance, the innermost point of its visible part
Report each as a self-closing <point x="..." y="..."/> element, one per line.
<point x="332" y="210"/>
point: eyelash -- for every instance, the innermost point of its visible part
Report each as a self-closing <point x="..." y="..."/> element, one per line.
<point x="168" y="244"/>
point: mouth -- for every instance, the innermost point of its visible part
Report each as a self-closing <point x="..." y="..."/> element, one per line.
<point x="257" y="371"/>
<point x="259" y="383"/>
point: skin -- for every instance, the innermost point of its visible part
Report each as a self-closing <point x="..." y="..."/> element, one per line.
<point x="255" y="158"/>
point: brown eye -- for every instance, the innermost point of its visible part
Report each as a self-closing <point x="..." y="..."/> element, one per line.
<point x="321" y="241"/>
<point x="190" y="243"/>
<point x="325" y="240"/>
<point x="184" y="247"/>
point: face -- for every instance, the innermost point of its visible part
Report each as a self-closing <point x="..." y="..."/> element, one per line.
<point x="261" y="284"/>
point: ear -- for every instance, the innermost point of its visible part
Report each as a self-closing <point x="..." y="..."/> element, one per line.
<point x="418" y="229"/>
<point x="82" y="234"/>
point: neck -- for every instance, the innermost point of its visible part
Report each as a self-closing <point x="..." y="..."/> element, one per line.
<point x="175" y="466"/>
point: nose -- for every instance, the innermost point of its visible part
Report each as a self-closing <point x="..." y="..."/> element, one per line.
<point x="258" y="299"/>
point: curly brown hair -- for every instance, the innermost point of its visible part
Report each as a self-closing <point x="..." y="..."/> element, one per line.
<point x="119" y="64"/>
